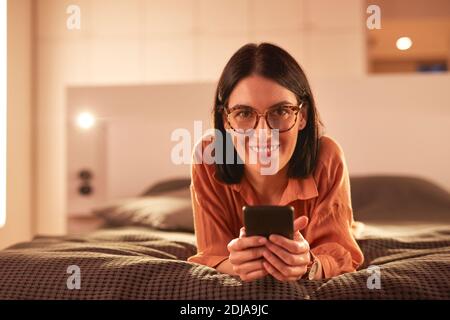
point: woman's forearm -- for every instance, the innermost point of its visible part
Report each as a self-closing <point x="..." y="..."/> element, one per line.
<point x="226" y="267"/>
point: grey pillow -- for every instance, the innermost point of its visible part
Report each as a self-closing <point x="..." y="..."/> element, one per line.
<point x="398" y="198"/>
<point x="167" y="211"/>
<point x="168" y="185"/>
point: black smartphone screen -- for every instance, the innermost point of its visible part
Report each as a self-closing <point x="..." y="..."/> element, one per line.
<point x="267" y="220"/>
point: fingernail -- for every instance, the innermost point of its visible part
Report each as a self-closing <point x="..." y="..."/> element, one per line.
<point x="262" y="240"/>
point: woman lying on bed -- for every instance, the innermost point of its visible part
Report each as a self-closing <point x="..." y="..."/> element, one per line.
<point x="262" y="89"/>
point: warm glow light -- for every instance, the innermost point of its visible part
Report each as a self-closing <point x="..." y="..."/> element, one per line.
<point x="404" y="43"/>
<point x="85" y="120"/>
<point x="3" y="66"/>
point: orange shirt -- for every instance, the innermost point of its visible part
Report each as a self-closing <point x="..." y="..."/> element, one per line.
<point x="324" y="197"/>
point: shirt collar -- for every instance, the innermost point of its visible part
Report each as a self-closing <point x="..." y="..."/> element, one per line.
<point x="299" y="189"/>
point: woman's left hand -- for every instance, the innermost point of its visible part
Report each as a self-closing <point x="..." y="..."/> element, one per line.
<point x="286" y="259"/>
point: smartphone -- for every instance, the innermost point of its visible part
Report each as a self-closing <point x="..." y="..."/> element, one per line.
<point x="267" y="220"/>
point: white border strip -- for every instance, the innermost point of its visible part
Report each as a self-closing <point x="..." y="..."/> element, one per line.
<point x="3" y="107"/>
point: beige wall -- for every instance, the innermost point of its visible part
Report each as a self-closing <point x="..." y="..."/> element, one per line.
<point x="130" y="146"/>
<point x="391" y="124"/>
<point x="19" y="217"/>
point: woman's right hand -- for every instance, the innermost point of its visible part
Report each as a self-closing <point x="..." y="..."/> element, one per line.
<point x="246" y="256"/>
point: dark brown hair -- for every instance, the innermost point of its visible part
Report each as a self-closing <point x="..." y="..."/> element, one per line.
<point x="272" y="62"/>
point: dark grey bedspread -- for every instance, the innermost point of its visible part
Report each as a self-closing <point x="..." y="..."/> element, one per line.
<point x="138" y="263"/>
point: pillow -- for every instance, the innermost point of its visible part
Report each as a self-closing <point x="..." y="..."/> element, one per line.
<point x="167" y="211"/>
<point x="168" y="186"/>
<point x="398" y="198"/>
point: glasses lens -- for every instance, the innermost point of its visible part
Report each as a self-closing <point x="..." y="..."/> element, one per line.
<point x="242" y="118"/>
<point x="281" y="118"/>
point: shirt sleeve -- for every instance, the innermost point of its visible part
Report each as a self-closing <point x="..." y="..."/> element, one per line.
<point x="211" y="224"/>
<point x="329" y="232"/>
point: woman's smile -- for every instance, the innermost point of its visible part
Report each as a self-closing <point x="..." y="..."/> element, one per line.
<point x="266" y="148"/>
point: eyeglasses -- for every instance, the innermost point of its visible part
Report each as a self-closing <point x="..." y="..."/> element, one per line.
<point x="282" y="118"/>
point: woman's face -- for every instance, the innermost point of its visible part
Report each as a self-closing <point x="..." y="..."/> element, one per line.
<point x="261" y="94"/>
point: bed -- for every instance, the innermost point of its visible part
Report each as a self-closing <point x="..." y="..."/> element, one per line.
<point x="405" y="237"/>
